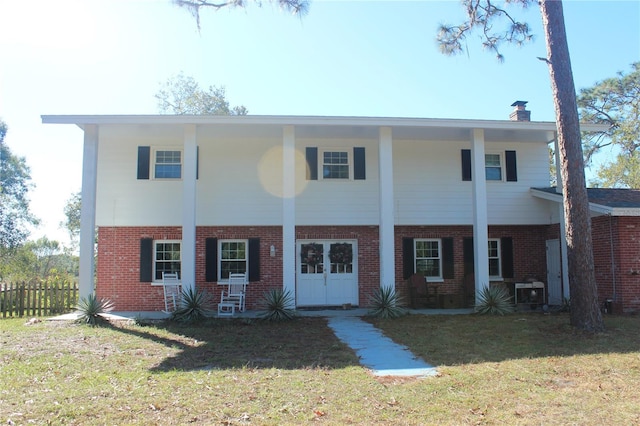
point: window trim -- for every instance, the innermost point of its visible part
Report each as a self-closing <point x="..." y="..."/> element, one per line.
<point x="219" y="257"/>
<point x="156" y="281"/>
<point x="498" y="257"/>
<point x="321" y="163"/>
<point x="502" y="166"/>
<point x="440" y="277"/>
<point x="154" y="158"/>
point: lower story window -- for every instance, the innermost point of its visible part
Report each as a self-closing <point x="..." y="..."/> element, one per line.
<point x="494" y="258"/>
<point x="166" y="259"/>
<point x="233" y="258"/>
<point x="428" y="258"/>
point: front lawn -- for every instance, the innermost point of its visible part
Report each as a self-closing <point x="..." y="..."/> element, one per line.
<point x="518" y="369"/>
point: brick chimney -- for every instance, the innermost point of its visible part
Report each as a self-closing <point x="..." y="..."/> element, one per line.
<point x="520" y="112"/>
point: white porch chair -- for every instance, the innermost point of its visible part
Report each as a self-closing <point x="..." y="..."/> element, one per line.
<point x="235" y="291"/>
<point x="172" y="291"/>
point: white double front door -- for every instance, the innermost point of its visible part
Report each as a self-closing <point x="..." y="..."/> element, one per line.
<point x="326" y="272"/>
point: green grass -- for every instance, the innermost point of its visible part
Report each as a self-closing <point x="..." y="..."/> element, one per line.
<point x="516" y="369"/>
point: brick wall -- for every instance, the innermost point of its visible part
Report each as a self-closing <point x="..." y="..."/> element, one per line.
<point x="604" y="232"/>
<point x="270" y="267"/>
<point x="529" y="252"/>
<point x="118" y="266"/>
<point x="618" y="274"/>
<point x="616" y="255"/>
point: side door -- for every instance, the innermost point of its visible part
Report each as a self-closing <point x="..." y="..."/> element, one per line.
<point x="554" y="273"/>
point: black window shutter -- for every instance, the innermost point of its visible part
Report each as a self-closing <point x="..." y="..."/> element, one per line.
<point x="146" y="260"/>
<point x="197" y="162"/>
<point x="506" y="248"/>
<point x="447" y="258"/>
<point x="359" y="164"/>
<point x="211" y="260"/>
<point x="467" y="256"/>
<point x="512" y="166"/>
<point x="466" y="164"/>
<point x="144" y="161"/>
<point x="408" y="267"/>
<point x="312" y="163"/>
<point x="254" y="259"/>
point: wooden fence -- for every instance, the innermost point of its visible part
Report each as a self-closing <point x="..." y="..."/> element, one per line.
<point x="37" y="298"/>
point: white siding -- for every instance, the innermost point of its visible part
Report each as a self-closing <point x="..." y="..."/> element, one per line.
<point x="511" y="203"/>
<point x="429" y="189"/>
<point x="428" y="184"/>
<point x="122" y="200"/>
<point x="240" y="183"/>
<point x="229" y="191"/>
<point x="349" y="202"/>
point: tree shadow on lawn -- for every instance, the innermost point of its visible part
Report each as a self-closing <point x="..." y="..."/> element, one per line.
<point x="449" y="340"/>
<point x="240" y="343"/>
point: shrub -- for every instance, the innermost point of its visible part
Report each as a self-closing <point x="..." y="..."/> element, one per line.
<point x="276" y="306"/>
<point x="92" y="310"/>
<point x="193" y="306"/>
<point x="386" y="303"/>
<point x="495" y="301"/>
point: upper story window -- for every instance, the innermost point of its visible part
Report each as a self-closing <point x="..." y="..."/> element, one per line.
<point x="494" y="258"/>
<point x="167" y="258"/>
<point x="500" y="166"/>
<point x="493" y="166"/>
<point x="335" y="165"/>
<point x="168" y="164"/>
<point x="428" y="258"/>
<point x="233" y="258"/>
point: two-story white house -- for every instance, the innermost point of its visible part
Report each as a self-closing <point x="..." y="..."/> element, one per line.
<point x="329" y="208"/>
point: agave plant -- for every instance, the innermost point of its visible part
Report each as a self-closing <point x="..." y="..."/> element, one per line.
<point x="92" y="309"/>
<point x="386" y="303"/>
<point x="495" y="301"/>
<point x="276" y="306"/>
<point x="193" y="306"/>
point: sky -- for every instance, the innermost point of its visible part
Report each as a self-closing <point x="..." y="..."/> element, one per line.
<point x="344" y="58"/>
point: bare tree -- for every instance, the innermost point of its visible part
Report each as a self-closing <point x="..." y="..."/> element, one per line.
<point x="483" y="15"/>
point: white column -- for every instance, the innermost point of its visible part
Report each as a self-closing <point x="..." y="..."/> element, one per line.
<point x="480" y="226"/>
<point x="88" y="210"/>
<point x="387" y="220"/>
<point x="289" y="210"/>
<point x="564" y="258"/>
<point x="189" y="165"/>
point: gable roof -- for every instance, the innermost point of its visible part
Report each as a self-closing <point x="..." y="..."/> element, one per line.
<point x="613" y="201"/>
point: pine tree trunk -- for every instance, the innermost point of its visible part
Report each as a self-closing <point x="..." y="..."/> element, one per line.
<point x="585" y="311"/>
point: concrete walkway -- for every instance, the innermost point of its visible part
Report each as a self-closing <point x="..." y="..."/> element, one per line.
<point x="376" y="351"/>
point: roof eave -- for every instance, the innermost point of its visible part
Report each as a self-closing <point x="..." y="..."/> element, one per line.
<point x="280" y="120"/>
